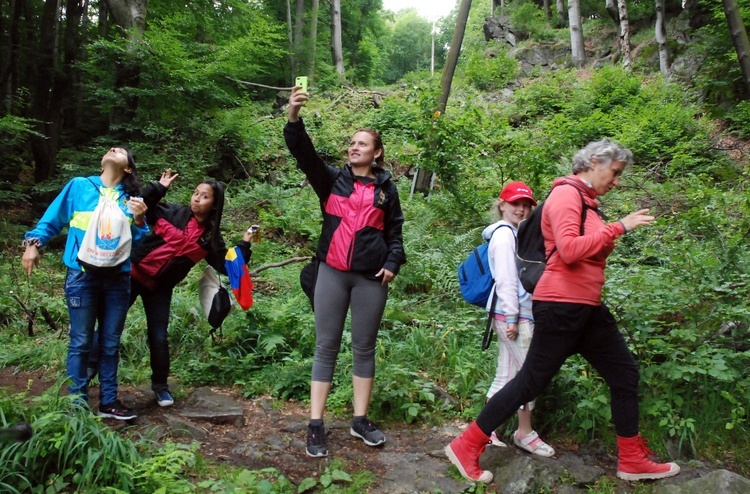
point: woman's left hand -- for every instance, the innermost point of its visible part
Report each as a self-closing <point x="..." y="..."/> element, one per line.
<point x="387" y="276"/>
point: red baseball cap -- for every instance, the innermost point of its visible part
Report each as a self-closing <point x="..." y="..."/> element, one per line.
<point x="515" y="191"/>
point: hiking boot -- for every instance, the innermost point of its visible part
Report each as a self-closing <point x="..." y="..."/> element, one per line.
<point x="316" y="441"/>
<point x="164" y="398"/>
<point x="532" y="443"/>
<point x="464" y="452"/>
<point x="116" y="410"/>
<point x="633" y="462"/>
<point x="366" y="431"/>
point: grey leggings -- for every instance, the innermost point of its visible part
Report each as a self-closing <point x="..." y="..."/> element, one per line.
<point x="335" y="292"/>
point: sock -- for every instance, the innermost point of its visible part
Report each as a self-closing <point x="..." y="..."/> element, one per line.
<point x="316" y="422"/>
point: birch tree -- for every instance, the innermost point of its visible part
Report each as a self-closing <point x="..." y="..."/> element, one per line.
<point x="739" y="38"/>
<point x="660" y="33"/>
<point x="337" y="51"/>
<point x="577" y="50"/>
<point x="622" y="8"/>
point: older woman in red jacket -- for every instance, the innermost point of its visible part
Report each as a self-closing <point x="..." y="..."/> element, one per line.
<point x="570" y="317"/>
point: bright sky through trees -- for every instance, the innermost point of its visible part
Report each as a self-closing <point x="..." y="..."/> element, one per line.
<point x="429" y="9"/>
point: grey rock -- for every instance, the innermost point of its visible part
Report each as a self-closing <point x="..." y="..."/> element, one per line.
<point x="407" y="473"/>
<point x="718" y="481"/>
<point x="181" y="428"/>
<point x="205" y="404"/>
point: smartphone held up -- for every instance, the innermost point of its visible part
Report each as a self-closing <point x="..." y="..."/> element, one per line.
<point x="301" y="81"/>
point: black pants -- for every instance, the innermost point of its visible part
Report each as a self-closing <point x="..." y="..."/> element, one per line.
<point x="561" y="330"/>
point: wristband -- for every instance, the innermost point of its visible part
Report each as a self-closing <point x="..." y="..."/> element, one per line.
<point x="32" y="241"/>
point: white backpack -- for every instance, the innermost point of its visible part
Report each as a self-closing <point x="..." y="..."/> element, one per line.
<point x="107" y="242"/>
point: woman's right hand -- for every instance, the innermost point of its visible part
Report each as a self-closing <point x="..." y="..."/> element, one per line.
<point x="296" y="101"/>
<point x="30" y="259"/>
<point x="634" y="220"/>
<point x="167" y="178"/>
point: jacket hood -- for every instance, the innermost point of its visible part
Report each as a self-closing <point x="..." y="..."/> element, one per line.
<point x="577" y="182"/>
<point x="490" y="229"/>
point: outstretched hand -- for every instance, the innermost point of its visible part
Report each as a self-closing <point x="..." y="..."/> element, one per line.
<point x="167" y="178"/>
<point x="296" y="101"/>
<point x="639" y="218"/>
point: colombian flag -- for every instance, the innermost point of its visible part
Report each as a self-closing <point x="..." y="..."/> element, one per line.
<point x="239" y="277"/>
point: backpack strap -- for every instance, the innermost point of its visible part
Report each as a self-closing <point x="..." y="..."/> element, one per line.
<point x="584" y="209"/>
<point x="98" y="189"/>
<point x="487" y="336"/>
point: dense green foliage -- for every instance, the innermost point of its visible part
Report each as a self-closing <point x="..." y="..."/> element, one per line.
<point x="679" y="288"/>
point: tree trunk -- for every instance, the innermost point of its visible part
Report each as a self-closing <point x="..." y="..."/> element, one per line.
<point x="577" y="50"/>
<point x="313" y="37"/>
<point x="562" y="19"/>
<point x="43" y="148"/>
<point x="622" y="8"/>
<point x="130" y="15"/>
<point x="291" y="38"/>
<point x="611" y="7"/>
<point x="547" y="10"/>
<point x="453" y="53"/>
<point x="9" y="78"/>
<point x="336" y="47"/>
<point x="661" y="38"/>
<point x="299" y="19"/>
<point x="423" y="179"/>
<point x="739" y="37"/>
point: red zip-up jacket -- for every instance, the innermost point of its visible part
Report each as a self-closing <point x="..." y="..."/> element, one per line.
<point x="177" y="243"/>
<point x="361" y="222"/>
<point x="575" y="272"/>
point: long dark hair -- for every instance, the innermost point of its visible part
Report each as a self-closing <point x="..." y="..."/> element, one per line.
<point x="213" y="225"/>
<point x="131" y="183"/>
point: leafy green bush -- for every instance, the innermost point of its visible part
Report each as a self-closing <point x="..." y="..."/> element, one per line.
<point x="490" y="71"/>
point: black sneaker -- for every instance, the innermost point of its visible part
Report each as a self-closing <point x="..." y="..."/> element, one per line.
<point x="366" y="431"/>
<point x="116" y="410"/>
<point x="316" y="441"/>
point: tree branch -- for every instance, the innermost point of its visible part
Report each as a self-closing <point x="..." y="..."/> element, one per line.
<point x="255" y="272"/>
<point x="259" y="85"/>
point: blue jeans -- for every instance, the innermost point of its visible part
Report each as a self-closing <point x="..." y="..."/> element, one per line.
<point x="93" y="298"/>
<point x="157" y="306"/>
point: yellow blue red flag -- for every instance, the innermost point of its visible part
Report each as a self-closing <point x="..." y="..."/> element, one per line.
<point x="239" y="277"/>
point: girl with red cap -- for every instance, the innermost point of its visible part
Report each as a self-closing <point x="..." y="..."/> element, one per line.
<point x="510" y="307"/>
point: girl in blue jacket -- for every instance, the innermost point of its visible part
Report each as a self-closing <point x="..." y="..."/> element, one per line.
<point x="93" y="296"/>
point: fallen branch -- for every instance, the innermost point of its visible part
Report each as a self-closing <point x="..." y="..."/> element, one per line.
<point x="31" y="314"/>
<point x="260" y="85"/>
<point x="255" y="271"/>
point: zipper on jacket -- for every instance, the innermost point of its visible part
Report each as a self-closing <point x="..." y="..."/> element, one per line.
<point x="360" y="198"/>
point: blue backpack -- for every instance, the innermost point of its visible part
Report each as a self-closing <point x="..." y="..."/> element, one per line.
<point x="474" y="277"/>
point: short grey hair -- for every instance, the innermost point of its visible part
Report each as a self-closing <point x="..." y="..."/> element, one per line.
<point x="604" y="152"/>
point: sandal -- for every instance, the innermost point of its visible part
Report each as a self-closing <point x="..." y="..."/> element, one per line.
<point x="533" y="444"/>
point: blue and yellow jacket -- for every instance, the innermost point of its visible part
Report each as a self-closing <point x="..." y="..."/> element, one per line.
<point x="73" y="208"/>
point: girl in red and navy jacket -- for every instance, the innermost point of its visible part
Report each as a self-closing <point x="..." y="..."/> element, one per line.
<point x="361" y="250"/>
<point x="182" y="236"/>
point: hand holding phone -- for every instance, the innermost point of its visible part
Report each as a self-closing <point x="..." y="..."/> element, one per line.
<point x="301" y="81"/>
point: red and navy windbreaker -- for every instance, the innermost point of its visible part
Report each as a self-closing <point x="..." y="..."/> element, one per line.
<point x="177" y="243"/>
<point x="362" y="222"/>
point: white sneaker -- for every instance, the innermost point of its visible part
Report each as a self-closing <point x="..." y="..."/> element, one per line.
<point x="533" y="444"/>
<point x="494" y="441"/>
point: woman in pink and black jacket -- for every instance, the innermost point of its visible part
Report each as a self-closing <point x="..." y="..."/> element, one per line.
<point x="361" y="251"/>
